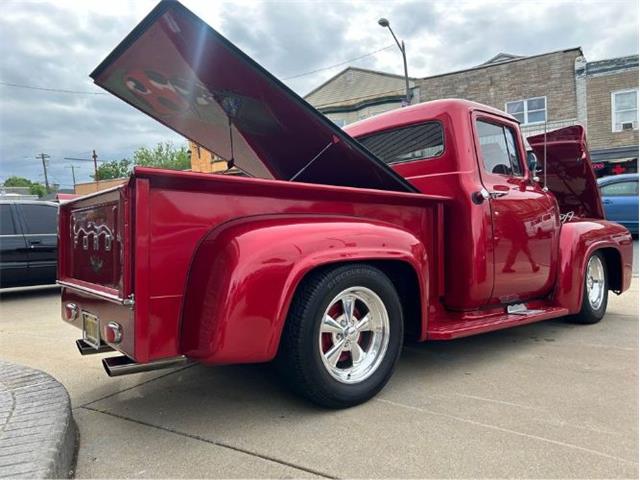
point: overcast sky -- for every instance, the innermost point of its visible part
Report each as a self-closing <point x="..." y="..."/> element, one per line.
<point x="57" y="44"/>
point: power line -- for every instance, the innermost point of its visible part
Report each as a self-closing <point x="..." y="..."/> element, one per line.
<point x="338" y="64"/>
<point x="338" y="102"/>
<point x="94" y="159"/>
<point x="57" y="90"/>
<point x="84" y="92"/>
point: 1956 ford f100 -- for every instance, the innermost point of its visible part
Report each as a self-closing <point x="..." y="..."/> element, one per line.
<point x="424" y="223"/>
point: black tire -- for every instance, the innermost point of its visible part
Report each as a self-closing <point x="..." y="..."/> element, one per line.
<point x="299" y="359"/>
<point x="588" y="314"/>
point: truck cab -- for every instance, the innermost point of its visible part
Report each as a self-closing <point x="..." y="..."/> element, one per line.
<point x="500" y="222"/>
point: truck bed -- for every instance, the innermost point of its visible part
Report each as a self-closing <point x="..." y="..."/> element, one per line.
<point x="157" y="221"/>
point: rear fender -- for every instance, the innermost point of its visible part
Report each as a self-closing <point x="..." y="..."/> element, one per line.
<point x="245" y="272"/>
<point x="578" y="240"/>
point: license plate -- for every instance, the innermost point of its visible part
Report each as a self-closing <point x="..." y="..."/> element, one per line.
<point x="91" y="329"/>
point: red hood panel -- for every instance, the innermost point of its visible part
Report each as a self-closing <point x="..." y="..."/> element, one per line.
<point x="178" y="70"/>
<point x="569" y="172"/>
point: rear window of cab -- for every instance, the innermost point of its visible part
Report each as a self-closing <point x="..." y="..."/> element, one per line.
<point x="406" y="144"/>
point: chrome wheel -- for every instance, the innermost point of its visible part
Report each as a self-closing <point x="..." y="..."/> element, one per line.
<point x="595" y="282"/>
<point x="354" y="335"/>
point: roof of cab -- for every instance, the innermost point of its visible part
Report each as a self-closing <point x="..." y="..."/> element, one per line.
<point x="417" y="113"/>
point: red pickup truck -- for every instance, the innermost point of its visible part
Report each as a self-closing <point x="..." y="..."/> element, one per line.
<point x="424" y="223"/>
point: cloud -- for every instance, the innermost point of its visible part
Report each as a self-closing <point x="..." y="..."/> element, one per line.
<point x="57" y="44"/>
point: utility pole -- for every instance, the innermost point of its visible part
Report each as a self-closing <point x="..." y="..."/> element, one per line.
<point x="73" y="173"/>
<point x="94" y="158"/>
<point x="95" y="165"/>
<point x="43" y="157"/>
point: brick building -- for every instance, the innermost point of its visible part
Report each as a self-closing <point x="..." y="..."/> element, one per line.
<point x="549" y="90"/>
<point x="357" y="93"/>
<point x="612" y="113"/>
<point x="204" y="161"/>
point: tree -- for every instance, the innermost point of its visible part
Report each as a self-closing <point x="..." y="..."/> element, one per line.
<point x="35" y="188"/>
<point x="17" y="182"/>
<point x="164" y="155"/>
<point x="113" y="169"/>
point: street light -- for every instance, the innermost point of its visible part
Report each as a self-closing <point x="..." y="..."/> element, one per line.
<point x="383" y="22"/>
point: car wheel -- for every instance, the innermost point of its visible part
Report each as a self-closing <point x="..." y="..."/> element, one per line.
<point x="342" y="337"/>
<point x="595" y="291"/>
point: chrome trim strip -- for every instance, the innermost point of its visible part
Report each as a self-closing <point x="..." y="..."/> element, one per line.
<point x="97" y="293"/>
<point x="95" y="194"/>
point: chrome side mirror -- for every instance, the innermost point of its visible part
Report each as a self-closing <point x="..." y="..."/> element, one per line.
<point x="532" y="163"/>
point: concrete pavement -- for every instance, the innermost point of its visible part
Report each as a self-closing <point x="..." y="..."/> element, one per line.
<point x="37" y="432"/>
<point x="545" y="400"/>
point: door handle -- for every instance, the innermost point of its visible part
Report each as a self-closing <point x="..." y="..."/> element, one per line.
<point x="37" y="245"/>
<point x="497" y="194"/>
<point x="606" y="202"/>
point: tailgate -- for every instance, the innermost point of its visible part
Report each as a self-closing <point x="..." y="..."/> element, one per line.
<point x="92" y="243"/>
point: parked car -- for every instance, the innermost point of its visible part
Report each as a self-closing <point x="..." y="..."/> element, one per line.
<point x="28" y="243"/>
<point x="620" y="199"/>
<point x="424" y="222"/>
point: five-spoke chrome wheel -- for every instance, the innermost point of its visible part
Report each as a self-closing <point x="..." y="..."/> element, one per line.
<point x="354" y="335"/>
<point x="343" y="335"/>
<point x="595" y="285"/>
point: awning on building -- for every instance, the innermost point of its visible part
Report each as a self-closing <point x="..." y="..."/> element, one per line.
<point x="615" y="155"/>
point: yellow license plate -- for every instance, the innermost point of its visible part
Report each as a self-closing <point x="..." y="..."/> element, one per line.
<point x="91" y="329"/>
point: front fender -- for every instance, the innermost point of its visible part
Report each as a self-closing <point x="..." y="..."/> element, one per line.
<point x="244" y="274"/>
<point x="578" y="240"/>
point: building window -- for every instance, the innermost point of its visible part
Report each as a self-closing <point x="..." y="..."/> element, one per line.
<point x="416" y="142"/>
<point x="624" y="110"/>
<point x="531" y="110"/>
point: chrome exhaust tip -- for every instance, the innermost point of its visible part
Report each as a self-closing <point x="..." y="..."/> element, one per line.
<point x="123" y="365"/>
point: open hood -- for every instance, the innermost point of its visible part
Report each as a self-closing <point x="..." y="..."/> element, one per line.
<point x="569" y="172"/>
<point x="180" y="71"/>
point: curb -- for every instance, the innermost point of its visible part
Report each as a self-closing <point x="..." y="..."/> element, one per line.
<point x="38" y="435"/>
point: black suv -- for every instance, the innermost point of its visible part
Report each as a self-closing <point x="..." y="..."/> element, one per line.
<point x="28" y="243"/>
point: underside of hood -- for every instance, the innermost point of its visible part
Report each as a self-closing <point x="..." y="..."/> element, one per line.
<point x="180" y="71"/>
<point x="570" y="175"/>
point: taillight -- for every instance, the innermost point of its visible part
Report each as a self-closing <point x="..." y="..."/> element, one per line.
<point x="112" y="333"/>
<point x="71" y="312"/>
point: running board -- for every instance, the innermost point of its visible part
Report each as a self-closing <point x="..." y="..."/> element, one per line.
<point x="447" y="330"/>
<point x="123" y="365"/>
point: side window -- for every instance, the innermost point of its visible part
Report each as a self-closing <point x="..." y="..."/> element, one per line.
<point x="416" y="142"/>
<point x="40" y="219"/>
<point x="512" y="148"/>
<point x="7" y="227"/>
<point x="620" y="189"/>
<point x="500" y="153"/>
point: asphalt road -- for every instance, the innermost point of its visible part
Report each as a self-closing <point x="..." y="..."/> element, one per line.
<point x="546" y="400"/>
